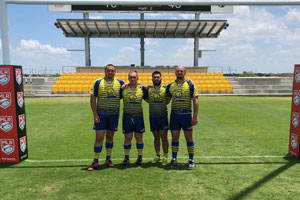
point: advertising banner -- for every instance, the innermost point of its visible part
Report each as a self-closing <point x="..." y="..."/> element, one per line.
<point x="13" y="139"/>
<point x="295" y="113"/>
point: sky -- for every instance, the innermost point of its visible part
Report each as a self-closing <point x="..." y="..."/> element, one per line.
<point x="259" y="39"/>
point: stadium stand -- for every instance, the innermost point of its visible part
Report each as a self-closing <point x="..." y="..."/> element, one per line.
<point x="82" y="82"/>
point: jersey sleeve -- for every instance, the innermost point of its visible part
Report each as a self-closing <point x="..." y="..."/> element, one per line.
<point x="193" y="91"/>
<point x="168" y="90"/>
<point x="95" y="88"/>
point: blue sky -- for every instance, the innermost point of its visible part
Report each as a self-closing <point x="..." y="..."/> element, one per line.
<point x="258" y="39"/>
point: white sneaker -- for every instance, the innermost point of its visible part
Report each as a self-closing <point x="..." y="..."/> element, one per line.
<point x="191" y="164"/>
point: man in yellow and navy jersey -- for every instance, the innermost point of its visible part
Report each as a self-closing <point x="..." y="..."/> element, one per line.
<point x="133" y="120"/>
<point x="158" y="115"/>
<point x="182" y="94"/>
<point x="105" y="104"/>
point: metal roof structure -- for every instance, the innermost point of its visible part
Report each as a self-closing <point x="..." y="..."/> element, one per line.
<point x="141" y="28"/>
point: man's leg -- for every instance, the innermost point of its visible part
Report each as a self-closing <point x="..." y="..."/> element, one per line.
<point x="97" y="149"/>
<point x="127" y="147"/>
<point x="190" y="147"/>
<point x="175" y="143"/>
<point x="139" y="146"/>
<point x="109" y="145"/>
<point x="156" y="136"/>
<point x="165" y="145"/>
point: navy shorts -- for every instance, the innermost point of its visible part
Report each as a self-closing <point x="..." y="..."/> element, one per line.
<point x="181" y="121"/>
<point x="107" y="121"/>
<point x="133" y="124"/>
<point x="159" y="123"/>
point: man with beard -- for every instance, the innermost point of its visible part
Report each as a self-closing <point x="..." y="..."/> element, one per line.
<point x="105" y="104"/>
<point x="181" y="92"/>
<point x="158" y="115"/>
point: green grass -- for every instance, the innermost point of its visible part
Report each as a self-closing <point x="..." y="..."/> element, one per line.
<point x="61" y="129"/>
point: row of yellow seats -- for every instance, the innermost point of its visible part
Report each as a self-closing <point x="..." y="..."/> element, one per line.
<point x="78" y="82"/>
<point x="71" y="88"/>
<point x="215" y="88"/>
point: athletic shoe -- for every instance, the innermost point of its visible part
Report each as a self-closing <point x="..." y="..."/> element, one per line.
<point x="125" y="161"/>
<point x="138" y="162"/>
<point x="164" y="160"/>
<point x="173" y="163"/>
<point x="109" y="163"/>
<point x="156" y="159"/>
<point x="93" y="166"/>
<point x="191" y="164"/>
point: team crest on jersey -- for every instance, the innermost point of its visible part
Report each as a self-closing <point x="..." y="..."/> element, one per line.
<point x="5" y="99"/>
<point x="178" y="94"/>
<point x="156" y="96"/>
<point x="20" y="96"/>
<point x="23" y="144"/>
<point x="4" y="76"/>
<point x="18" y="76"/>
<point x="295" y="119"/>
<point x="110" y="92"/>
<point x="132" y="97"/>
<point x="296" y="97"/>
<point x="294" y="140"/>
<point x="22" y="121"/>
<point x="6" y="123"/>
<point x="7" y="146"/>
<point x="297" y="75"/>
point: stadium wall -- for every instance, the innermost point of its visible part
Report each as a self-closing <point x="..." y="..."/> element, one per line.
<point x="145" y="69"/>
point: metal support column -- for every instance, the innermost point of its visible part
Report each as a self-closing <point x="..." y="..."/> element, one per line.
<point x="87" y="45"/>
<point x="196" y="45"/>
<point x="142" y="44"/>
<point x="4" y="33"/>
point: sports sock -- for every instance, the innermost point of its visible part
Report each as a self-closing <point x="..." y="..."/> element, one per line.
<point x="140" y="150"/>
<point x="190" y="148"/>
<point x="127" y="151"/>
<point x="97" y="151"/>
<point x="175" y="147"/>
<point x="108" y="147"/>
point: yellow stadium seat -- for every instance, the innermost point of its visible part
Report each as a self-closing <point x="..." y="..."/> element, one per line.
<point x="67" y="88"/>
<point x="79" y="88"/>
<point x="210" y="88"/>
<point x="61" y="88"/>
<point x="205" y="77"/>
<point x="73" y="88"/>
<point x="216" y="88"/>
<point x="86" y="88"/>
<point x="54" y="88"/>
<point x="229" y="88"/>
<point x="222" y="88"/>
<point x="203" y="88"/>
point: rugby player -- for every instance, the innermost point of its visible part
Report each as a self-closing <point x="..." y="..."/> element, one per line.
<point x="133" y="120"/>
<point x="182" y="93"/>
<point x="158" y="115"/>
<point x="105" y="104"/>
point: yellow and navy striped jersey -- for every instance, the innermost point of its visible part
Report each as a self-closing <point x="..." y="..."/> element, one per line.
<point x="108" y="95"/>
<point x="181" y="96"/>
<point x="132" y="100"/>
<point x="157" y="99"/>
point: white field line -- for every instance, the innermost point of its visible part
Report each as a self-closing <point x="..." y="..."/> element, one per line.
<point x="196" y="157"/>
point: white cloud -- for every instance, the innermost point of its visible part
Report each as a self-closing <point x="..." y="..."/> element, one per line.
<point x="150" y="42"/>
<point x="125" y="56"/>
<point x="99" y="44"/>
<point x="242" y="49"/>
<point x="95" y="17"/>
<point x="292" y="16"/>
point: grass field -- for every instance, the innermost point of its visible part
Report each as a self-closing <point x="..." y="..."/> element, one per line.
<point x="241" y="145"/>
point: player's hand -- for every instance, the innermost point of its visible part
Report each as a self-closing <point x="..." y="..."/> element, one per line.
<point x="96" y="119"/>
<point x="194" y="121"/>
<point x="145" y="86"/>
<point x="191" y="81"/>
<point x="125" y="85"/>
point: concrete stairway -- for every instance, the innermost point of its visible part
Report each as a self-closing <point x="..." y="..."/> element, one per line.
<point x="40" y="87"/>
<point x="261" y="86"/>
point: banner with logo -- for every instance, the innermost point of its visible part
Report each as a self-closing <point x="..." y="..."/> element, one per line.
<point x="13" y="139"/>
<point x="295" y="113"/>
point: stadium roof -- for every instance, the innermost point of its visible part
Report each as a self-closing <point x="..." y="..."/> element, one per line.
<point x="141" y="28"/>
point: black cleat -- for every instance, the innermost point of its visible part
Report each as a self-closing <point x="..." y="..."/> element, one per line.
<point x="173" y="163"/>
<point x="191" y="164"/>
<point x="125" y="161"/>
<point x="138" y="162"/>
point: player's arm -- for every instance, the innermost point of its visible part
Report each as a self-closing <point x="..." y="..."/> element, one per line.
<point x="93" y="102"/>
<point x="168" y="93"/>
<point x="190" y="81"/>
<point x="195" y="113"/>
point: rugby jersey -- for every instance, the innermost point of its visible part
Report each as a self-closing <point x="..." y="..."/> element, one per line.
<point x="181" y="96"/>
<point x="108" y="95"/>
<point x="157" y="100"/>
<point x="132" y="100"/>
